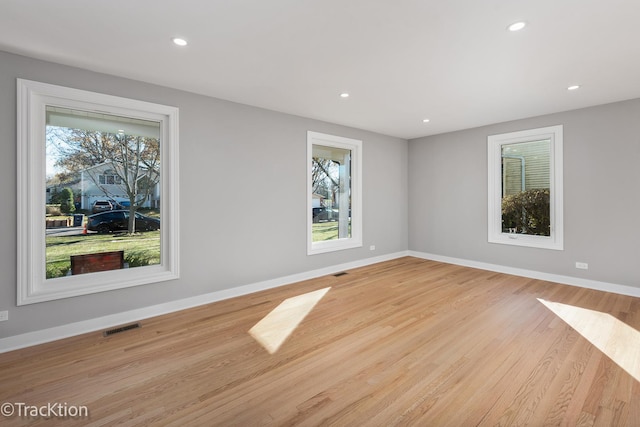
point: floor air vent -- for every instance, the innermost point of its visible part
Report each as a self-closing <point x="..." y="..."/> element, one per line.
<point x="342" y="273"/>
<point x="119" y="329"/>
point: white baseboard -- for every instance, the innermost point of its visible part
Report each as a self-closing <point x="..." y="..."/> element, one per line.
<point x="64" y="331"/>
<point x="565" y="280"/>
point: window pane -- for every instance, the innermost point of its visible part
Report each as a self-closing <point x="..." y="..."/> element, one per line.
<point x="331" y="198"/>
<point x="526" y="176"/>
<point x="98" y="163"/>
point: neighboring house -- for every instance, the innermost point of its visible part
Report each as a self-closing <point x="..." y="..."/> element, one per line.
<point x="317" y="200"/>
<point x="100" y="182"/>
<point x="525" y="166"/>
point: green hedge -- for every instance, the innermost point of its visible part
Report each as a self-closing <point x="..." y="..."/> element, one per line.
<point x="66" y="201"/>
<point x="527" y="212"/>
<point x="53" y="210"/>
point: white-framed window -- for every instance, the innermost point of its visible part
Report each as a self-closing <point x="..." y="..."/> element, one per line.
<point x="334" y="193"/>
<point x="109" y="178"/>
<point x="62" y="134"/>
<point x="525" y="188"/>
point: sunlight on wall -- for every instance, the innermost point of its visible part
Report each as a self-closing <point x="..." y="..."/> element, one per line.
<point x="619" y="341"/>
<point x="276" y="326"/>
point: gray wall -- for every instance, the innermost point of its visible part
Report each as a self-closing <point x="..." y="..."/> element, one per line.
<point x="242" y="192"/>
<point x="448" y="195"/>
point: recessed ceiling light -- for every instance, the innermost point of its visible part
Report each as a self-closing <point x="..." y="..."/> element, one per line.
<point x="179" y="41"/>
<point x="573" y="87"/>
<point x="517" y="26"/>
<point x="425" y="120"/>
<point x="344" y="95"/>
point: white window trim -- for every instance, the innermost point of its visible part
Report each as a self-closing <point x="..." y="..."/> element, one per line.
<point x="495" y="142"/>
<point x="32" y="99"/>
<point x="355" y="241"/>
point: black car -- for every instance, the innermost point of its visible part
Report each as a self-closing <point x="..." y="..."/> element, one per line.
<point x="320" y="215"/>
<point x="107" y="222"/>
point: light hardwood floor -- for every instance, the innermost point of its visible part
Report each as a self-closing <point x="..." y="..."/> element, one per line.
<point x="404" y="342"/>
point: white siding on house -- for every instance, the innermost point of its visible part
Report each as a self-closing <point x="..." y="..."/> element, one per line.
<point x="92" y="189"/>
<point x="534" y="156"/>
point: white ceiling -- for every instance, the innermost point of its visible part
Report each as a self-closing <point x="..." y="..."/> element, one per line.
<point x="451" y="61"/>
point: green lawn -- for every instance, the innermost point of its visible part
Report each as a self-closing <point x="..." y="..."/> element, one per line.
<point x="326" y="231"/>
<point x="139" y="249"/>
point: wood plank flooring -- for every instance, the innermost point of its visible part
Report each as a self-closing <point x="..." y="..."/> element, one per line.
<point x="401" y="343"/>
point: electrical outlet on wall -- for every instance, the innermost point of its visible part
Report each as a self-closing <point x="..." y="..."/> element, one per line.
<point x="4" y="315"/>
<point x="372" y="247"/>
<point x="582" y="265"/>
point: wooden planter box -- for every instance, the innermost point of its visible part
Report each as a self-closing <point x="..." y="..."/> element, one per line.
<point x="55" y="223"/>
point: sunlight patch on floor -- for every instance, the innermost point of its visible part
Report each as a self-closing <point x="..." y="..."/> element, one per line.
<point x="276" y="326"/>
<point x="619" y="341"/>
